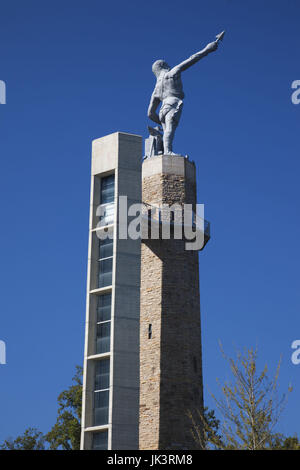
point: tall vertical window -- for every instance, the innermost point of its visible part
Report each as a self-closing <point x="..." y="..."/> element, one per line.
<point x="103" y="324"/>
<point x="101" y="393"/>
<point x="100" y="440"/>
<point x="105" y="262"/>
<point x="107" y="194"/>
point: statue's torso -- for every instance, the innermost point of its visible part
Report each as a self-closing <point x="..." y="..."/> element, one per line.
<point x="169" y="85"/>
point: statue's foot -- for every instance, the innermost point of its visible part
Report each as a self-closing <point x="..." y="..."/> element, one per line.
<point x="170" y="153"/>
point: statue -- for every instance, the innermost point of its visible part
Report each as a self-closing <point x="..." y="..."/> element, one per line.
<point x="169" y="92"/>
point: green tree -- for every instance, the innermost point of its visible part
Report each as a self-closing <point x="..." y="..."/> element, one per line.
<point x="65" y="434"/>
<point x="205" y="429"/>
<point x="32" y="439"/>
<point x="281" y="442"/>
<point x="250" y="409"/>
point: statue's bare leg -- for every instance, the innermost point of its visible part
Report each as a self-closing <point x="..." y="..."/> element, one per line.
<point x="169" y="127"/>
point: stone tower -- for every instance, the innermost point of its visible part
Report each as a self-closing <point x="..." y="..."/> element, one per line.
<point x="170" y="330"/>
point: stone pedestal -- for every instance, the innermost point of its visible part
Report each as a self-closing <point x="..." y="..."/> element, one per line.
<point x="170" y="332"/>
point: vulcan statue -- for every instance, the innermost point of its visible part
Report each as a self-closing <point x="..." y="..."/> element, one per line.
<point x="168" y="92"/>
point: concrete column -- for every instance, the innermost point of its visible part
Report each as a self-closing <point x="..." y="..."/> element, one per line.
<point x="117" y="154"/>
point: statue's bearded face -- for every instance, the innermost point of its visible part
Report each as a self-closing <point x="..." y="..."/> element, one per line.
<point x="158" y="66"/>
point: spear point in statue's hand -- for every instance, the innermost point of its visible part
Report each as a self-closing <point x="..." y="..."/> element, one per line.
<point x="219" y="37"/>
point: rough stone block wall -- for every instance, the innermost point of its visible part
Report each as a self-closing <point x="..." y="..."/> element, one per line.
<point x="170" y="361"/>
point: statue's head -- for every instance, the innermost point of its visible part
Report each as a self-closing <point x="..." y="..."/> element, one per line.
<point x="158" y="66"/>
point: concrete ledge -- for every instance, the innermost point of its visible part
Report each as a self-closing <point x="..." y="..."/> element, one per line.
<point x="169" y="165"/>
<point x="116" y="150"/>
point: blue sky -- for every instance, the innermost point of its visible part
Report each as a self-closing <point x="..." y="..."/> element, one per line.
<point x="76" y="71"/>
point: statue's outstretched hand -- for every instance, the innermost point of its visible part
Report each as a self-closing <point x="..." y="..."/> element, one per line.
<point x="212" y="46"/>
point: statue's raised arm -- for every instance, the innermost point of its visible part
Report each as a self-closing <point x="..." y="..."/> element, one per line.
<point x="212" y="46"/>
<point x="168" y="92"/>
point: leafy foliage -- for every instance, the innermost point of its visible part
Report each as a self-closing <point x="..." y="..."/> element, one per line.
<point x="280" y="442"/>
<point x="205" y="429"/>
<point x="65" y="434"/>
<point x="250" y="408"/>
<point x="32" y="439"/>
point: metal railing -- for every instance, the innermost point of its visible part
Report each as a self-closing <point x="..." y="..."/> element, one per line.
<point x="163" y="215"/>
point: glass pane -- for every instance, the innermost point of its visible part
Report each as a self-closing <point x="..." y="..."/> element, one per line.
<point x="102" y="374"/>
<point x="100" y="440"/>
<point x="104" y="308"/>
<point x="106" y="248"/>
<point x="107" y="189"/>
<point x="105" y="273"/>
<point x="108" y="181"/>
<point x="107" y="195"/>
<point x="103" y="338"/>
<point x="108" y="214"/>
<point x="101" y="408"/>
